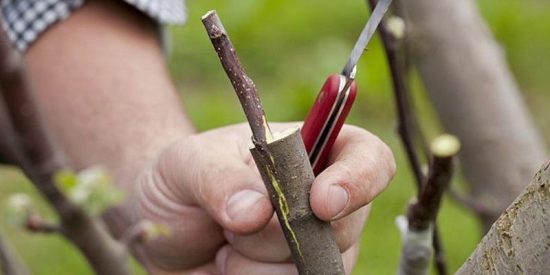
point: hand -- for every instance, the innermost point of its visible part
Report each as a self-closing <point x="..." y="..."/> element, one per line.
<point x="206" y="188"/>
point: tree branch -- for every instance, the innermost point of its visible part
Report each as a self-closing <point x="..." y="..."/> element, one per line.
<point x="418" y="230"/>
<point x="285" y="169"/>
<point x="37" y="158"/>
<point x="8" y="153"/>
<point x="518" y="241"/>
<point x="406" y="120"/>
<point x="405" y="114"/>
<point x="462" y="68"/>
<point x="424" y="212"/>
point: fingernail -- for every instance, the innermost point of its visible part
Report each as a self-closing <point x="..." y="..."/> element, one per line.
<point x="229" y="236"/>
<point x="338" y="199"/>
<point x="241" y="203"/>
<point x="221" y="259"/>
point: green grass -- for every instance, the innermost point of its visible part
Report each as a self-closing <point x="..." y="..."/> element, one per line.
<point x="288" y="48"/>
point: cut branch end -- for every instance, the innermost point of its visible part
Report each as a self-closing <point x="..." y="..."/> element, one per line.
<point x="208" y="14"/>
<point x="445" y="146"/>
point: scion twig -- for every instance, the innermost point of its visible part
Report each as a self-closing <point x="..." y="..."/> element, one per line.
<point x="243" y="85"/>
<point x="285" y="169"/>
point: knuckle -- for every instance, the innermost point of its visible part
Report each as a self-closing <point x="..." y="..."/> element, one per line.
<point x="346" y="170"/>
<point x="376" y="169"/>
<point x="354" y="181"/>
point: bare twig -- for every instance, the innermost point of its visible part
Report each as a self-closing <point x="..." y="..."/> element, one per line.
<point x="27" y="129"/>
<point x="36" y="156"/>
<point x="401" y="92"/>
<point x="423" y="213"/>
<point x="518" y="241"/>
<point x="285" y="169"/>
<point x="243" y="85"/>
<point x="419" y="234"/>
<point x="406" y="120"/>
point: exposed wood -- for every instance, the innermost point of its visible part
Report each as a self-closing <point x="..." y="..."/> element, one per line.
<point x="466" y="75"/>
<point x="519" y="241"/>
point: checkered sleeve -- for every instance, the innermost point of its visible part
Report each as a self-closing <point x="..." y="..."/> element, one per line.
<point x="25" y="20"/>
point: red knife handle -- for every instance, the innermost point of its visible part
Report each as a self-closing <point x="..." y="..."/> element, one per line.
<point x="326" y="118"/>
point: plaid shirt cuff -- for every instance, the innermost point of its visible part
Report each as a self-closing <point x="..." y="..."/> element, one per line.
<point x="25" y="20"/>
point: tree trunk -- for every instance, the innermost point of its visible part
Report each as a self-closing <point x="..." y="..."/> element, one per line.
<point x="519" y="240"/>
<point x="469" y="82"/>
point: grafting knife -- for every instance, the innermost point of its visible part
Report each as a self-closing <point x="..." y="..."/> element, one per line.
<point x="332" y="106"/>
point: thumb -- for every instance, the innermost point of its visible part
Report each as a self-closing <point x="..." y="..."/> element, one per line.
<point x="221" y="183"/>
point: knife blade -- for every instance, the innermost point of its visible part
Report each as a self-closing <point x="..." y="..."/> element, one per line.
<point x="327" y="115"/>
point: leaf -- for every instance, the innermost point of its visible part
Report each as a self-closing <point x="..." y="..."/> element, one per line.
<point x="91" y="188"/>
<point x="95" y="191"/>
<point x="65" y="180"/>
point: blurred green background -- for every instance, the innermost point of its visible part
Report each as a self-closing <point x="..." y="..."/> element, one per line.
<point x="288" y="48"/>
